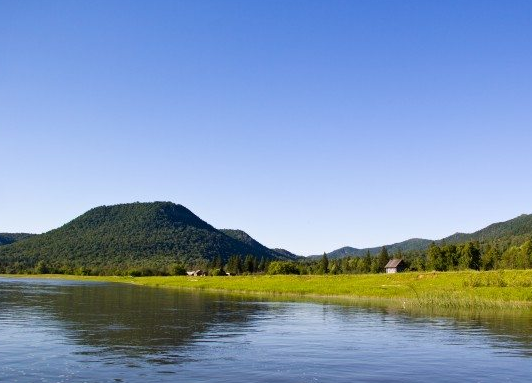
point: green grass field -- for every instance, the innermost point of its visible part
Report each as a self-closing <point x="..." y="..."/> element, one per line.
<point x="469" y="289"/>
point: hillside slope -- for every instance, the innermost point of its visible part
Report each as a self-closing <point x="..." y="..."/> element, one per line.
<point x="9" y="238"/>
<point x="130" y="234"/>
<point x="517" y="227"/>
<point x="517" y="230"/>
<point x="257" y="247"/>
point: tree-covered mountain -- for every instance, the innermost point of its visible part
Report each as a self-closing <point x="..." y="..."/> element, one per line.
<point x="8" y="238"/>
<point x="408" y="245"/>
<point x="515" y="230"/>
<point x="287" y="254"/>
<point x="160" y="237"/>
<point x="257" y="247"/>
<point x="131" y="235"/>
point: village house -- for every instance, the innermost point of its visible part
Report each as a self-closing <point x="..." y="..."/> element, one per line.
<point x="394" y="266"/>
<point x="196" y="273"/>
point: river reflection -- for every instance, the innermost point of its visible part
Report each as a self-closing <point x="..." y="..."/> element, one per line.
<point x="53" y="331"/>
<point x="122" y="318"/>
<point x="509" y="330"/>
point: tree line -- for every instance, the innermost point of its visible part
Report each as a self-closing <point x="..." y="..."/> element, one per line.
<point x="471" y="255"/>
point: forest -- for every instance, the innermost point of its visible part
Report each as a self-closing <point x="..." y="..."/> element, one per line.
<point x="162" y="238"/>
<point x="471" y="255"/>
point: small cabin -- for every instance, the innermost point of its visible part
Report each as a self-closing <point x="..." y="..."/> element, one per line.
<point x="196" y="273"/>
<point x="394" y="266"/>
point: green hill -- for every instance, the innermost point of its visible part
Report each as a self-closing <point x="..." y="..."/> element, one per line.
<point x="257" y="247"/>
<point x="288" y="254"/>
<point x="519" y="228"/>
<point x="516" y="230"/>
<point x="127" y="235"/>
<point x="8" y="238"/>
<point x="408" y="245"/>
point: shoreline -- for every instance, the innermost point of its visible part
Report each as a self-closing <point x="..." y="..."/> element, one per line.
<point x="509" y="289"/>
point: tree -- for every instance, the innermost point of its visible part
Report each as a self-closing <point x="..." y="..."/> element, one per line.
<point x="249" y="264"/>
<point x="281" y="267"/>
<point x="449" y="257"/>
<point x="234" y="265"/>
<point x="469" y="256"/>
<point x="434" y="258"/>
<point x="382" y="259"/>
<point x="364" y="267"/>
<point x="524" y="258"/>
<point x="526" y="248"/>
<point x="348" y="264"/>
<point x="218" y="273"/>
<point x="262" y="265"/>
<point x="323" y="267"/>
<point x="41" y="268"/>
<point x="489" y="259"/>
<point x="417" y="264"/>
<point x="177" y="269"/>
<point x="509" y="257"/>
<point x="217" y="262"/>
<point x="335" y="266"/>
<point x="399" y="254"/>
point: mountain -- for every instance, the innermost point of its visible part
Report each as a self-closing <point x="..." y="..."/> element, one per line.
<point x="517" y="229"/>
<point x="8" y="238"/>
<point x="288" y="254"/>
<point x="257" y="247"/>
<point x="132" y="234"/>
<point x="342" y="252"/>
<point x="408" y="245"/>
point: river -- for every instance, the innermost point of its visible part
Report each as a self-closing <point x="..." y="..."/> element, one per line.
<point x="67" y="331"/>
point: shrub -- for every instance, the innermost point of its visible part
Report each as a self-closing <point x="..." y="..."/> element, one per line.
<point x="279" y="267"/>
<point x="177" y="269"/>
<point x="218" y="272"/>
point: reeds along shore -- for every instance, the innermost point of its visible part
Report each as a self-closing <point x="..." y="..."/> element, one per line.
<point x="467" y="289"/>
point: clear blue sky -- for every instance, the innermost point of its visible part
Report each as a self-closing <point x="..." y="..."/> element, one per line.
<point x="309" y="124"/>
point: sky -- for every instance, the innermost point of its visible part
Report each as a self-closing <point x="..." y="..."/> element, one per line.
<point x="311" y="125"/>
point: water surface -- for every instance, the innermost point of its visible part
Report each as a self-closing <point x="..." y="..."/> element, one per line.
<point x="64" y="331"/>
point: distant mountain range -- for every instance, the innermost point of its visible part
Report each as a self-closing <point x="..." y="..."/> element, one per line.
<point x="163" y="232"/>
<point x="8" y="238"/>
<point x="519" y="227"/>
<point x="257" y="247"/>
<point x="133" y="234"/>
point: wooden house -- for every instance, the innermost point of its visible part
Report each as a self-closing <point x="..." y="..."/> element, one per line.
<point x="394" y="266"/>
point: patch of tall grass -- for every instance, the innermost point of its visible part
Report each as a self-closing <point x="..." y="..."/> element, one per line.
<point x="466" y="289"/>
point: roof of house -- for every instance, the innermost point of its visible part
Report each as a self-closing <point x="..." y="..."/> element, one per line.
<point x="195" y="272"/>
<point x="393" y="263"/>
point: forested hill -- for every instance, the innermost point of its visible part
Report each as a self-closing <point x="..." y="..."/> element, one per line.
<point x="136" y="234"/>
<point x="516" y="230"/>
<point x="8" y="238"/>
<point x="257" y="247"/>
<point x="288" y="254"/>
<point x="408" y="245"/>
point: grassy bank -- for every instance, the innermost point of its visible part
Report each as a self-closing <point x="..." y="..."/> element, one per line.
<point x="504" y="289"/>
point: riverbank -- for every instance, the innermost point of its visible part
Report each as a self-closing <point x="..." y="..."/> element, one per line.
<point x="467" y="289"/>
